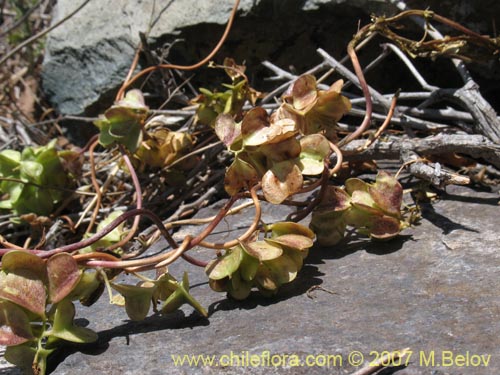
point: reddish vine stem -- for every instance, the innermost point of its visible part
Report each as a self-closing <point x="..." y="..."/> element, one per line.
<point x="138" y="198"/>
<point x="97" y="188"/>
<point x="249" y="232"/>
<point x="194" y="261"/>
<point x="210" y="227"/>
<point x="351" y="51"/>
<point x="385" y="124"/>
<point x="298" y="216"/>
<point x="127" y="83"/>
<point x="107" y="229"/>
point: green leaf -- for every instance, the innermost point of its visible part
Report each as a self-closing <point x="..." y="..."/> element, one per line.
<point x="287" y="149"/>
<point x="9" y="160"/>
<point x="314" y="149"/>
<point x="88" y="289"/>
<point x="238" y="288"/>
<point x="289" y="227"/>
<point x="248" y="267"/>
<point x="23" y="356"/>
<point x="329" y="226"/>
<point x="226" y="265"/>
<point x="137" y="298"/>
<point x="31" y="171"/>
<point x="282" y="270"/>
<point x="180" y="297"/>
<point x="63" y="327"/>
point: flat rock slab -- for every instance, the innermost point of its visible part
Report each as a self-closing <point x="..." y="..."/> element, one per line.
<point x="435" y="289"/>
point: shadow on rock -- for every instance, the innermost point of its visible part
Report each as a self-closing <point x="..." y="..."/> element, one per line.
<point x="176" y="320"/>
<point x="308" y="277"/>
<point x="445" y="224"/>
<point x="355" y="243"/>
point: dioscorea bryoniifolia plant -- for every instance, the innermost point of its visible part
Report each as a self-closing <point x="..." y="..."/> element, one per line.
<point x="263" y="264"/>
<point x="279" y="149"/>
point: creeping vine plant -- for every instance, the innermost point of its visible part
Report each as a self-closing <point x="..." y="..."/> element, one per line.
<point x="282" y="153"/>
<point x="276" y="152"/>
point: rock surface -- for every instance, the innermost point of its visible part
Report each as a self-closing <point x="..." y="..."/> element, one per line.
<point x="88" y="57"/>
<point x="435" y="289"/>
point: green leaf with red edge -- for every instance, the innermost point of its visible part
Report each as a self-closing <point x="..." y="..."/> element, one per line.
<point x="64" y="328"/>
<point x="304" y="92"/>
<point x="226" y="265"/>
<point x="134" y="99"/>
<point x="227" y="129"/>
<point x="314" y="149"/>
<point x="287" y="149"/>
<point x="240" y="175"/>
<point x="281" y="181"/>
<point x="262" y="250"/>
<point x="385" y="228"/>
<point x="257" y="129"/>
<point x="22" y="281"/>
<point x="63" y="274"/>
<point x="292" y="241"/>
<point x="19" y="260"/>
<point x="15" y="326"/>
<point x="387" y="194"/>
<point x="289" y="227"/>
<point x="334" y="199"/>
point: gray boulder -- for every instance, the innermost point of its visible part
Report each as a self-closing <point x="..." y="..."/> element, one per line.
<point x="88" y="57"/>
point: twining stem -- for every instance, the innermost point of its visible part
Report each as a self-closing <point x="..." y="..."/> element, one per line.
<point x="97" y="188"/>
<point x="384" y="125"/>
<point x="107" y="229"/>
<point x="299" y="215"/>
<point x="251" y="229"/>
<point x="351" y="51"/>
<point x="138" y="199"/>
<point x="340" y="159"/>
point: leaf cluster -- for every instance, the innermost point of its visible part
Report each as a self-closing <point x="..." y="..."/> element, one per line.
<point x="32" y="181"/>
<point x="372" y="209"/>
<point x="264" y="264"/>
<point x="279" y="149"/>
